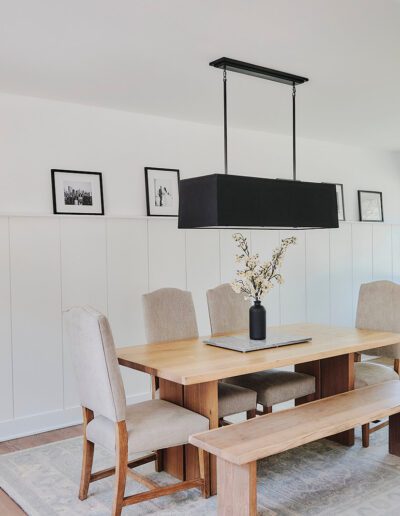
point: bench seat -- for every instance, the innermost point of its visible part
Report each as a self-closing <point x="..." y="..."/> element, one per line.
<point x="238" y="447"/>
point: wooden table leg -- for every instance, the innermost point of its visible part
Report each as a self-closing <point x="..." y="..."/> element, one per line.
<point x="337" y="375"/>
<point x="173" y="458"/>
<point x="394" y="434"/>
<point x="203" y="399"/>
<point x="237" y="489"/>
<point x="314" y="369"/>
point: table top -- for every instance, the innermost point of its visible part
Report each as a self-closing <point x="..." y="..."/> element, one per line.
<point x="189" y="362"/>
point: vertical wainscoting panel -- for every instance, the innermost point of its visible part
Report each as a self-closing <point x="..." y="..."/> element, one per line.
<point x="341" y="277"/>
<point x="36" y="315"/>
<point x="317" y="276"/>
<point x="6" y="383"/>
<point x="382" y="258"/>
<point x="362" y="257"/>
<point x="396" y="252"/>
<point x="84" y="278"/>
<point x="264" y="243"/>
<point x="128" y="279"/>
<point x="167" y="267"/>
<point x="202" y="259"/>
<point x="293" y="290"/>
<point x="228" y="251"/>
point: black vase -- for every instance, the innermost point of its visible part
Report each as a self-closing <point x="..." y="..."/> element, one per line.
<point x="258" y="321"/>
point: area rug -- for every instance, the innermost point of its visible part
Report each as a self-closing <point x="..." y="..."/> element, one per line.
<point x="321" y="478"/>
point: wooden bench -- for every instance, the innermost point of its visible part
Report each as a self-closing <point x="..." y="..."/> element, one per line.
<point x="238" y="447"/>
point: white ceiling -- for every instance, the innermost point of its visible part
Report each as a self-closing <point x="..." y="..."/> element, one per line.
<point x="152" y="56"/>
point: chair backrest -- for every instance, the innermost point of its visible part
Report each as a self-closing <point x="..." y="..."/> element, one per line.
<point x="169" y="314"/>
<point x="95" y="362"/>
<point x="379" y="309"/>
<point x="228" y="311"/>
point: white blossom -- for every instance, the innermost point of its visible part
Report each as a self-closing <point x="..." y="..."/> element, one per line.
<point x="256" y="279"/>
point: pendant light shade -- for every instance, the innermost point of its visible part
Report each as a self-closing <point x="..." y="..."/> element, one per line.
<point x="225" y="200"/>
<point x="221" y="200"/>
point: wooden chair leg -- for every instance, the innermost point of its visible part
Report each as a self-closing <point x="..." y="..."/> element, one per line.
<point x="365" y="435"/>
<point x="121" y="466"/>
<point x="397" y="365"/>
<point x="267" y="410"/>
<point x="204" y="464"/>
<point x="357" y="357"/>
<point x="87" y="457"/>
<point x="159" y="461"/>
<point x="250" y="414"/>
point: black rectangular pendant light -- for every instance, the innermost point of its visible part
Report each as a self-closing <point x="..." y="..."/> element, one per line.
<point x="221" y="200"/>
<point x="225" y="200"/>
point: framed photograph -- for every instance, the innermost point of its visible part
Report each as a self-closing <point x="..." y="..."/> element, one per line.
<point x="162" y="191"/>
<point x="340" y="200"/>
<point x="370" y="206"/>
<point x="77" y="193"/>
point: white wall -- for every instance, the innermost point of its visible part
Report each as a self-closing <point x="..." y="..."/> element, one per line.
<point x="37" y="135"/>
<point x="48" y="262"/>
<point x="51" y="262"/>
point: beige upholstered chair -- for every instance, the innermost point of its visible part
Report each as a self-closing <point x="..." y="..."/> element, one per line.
<point x="378" y="309"/>
<point x="229" y="312"/>
<point x="169" y="314"/>
<point x="108" y="422"/>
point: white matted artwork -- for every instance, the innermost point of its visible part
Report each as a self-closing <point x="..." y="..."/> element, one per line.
<point x="162" y="191"/>
<point x="77" y="193"/>
<point x="370" y="206"/>
<point x="340" y="200"/>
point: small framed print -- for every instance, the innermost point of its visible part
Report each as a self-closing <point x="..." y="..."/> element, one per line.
<point x="340" y="200"/>
<point x="162" y="191"/>
<point x="370" y="206"/>
<point x="77" y="193"/>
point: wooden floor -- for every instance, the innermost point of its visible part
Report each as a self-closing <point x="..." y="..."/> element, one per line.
<point x="7" y="506"/>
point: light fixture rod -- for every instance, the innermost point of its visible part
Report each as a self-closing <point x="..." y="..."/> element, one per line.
<point x="262" y="72"/>
<point x="225" y="126"/>
<point x="294" y="129"/>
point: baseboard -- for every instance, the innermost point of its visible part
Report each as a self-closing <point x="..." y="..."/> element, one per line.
<point x="44" y="422"/>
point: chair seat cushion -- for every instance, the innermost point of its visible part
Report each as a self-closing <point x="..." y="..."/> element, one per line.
<point x="369" y="373"/>
<point x="275" y="386"/>
<point x="151" y="425"/>
<point x="233" y="399"/>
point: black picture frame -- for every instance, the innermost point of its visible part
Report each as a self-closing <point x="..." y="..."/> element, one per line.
<point x="363" y="218"/>
<point x="149" y="207"/>
<point x="56" y="211"/>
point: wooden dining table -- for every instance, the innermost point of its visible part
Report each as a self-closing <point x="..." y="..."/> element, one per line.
<point x="189" y="371"/>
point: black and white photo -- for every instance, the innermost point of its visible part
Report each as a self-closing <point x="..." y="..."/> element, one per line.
<point x="78" y="193"/>
<point x="370" y="206"/>
<point x="162" y="191"/>
<point x="75" y="192"/>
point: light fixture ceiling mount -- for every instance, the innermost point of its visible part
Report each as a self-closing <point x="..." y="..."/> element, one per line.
<point x="222" y="200"/>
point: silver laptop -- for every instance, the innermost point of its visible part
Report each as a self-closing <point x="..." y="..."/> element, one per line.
<point x="244" y="344"/>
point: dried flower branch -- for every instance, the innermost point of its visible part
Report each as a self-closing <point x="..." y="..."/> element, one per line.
<point x="256" y="279"/>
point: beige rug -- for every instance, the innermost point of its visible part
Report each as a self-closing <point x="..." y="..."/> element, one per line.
<point x="320" y="478"/>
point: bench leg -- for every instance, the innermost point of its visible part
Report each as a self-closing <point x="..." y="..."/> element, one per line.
<point x="237" y="489"/>
<point x="394" y="434"/>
